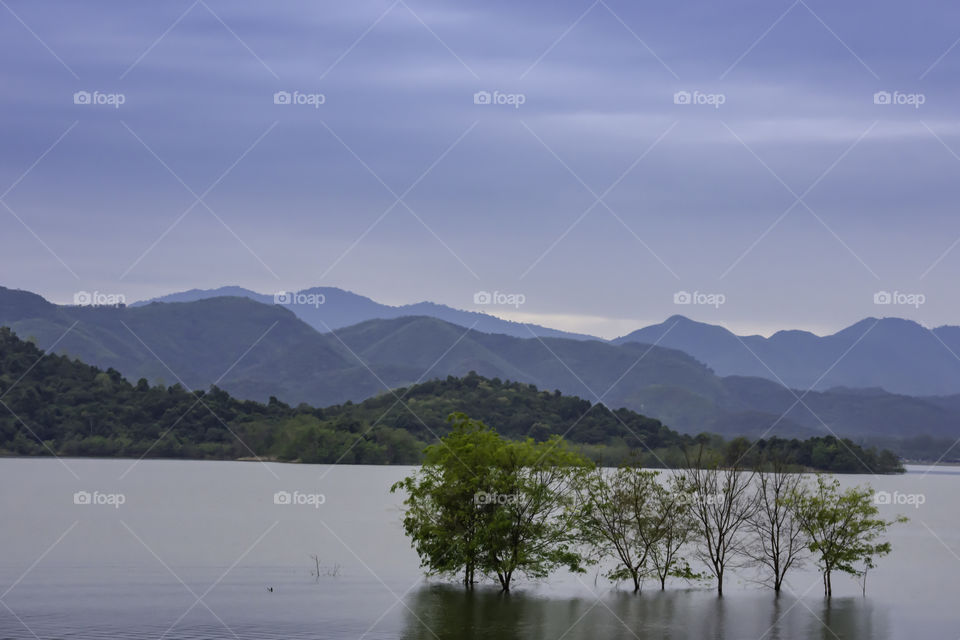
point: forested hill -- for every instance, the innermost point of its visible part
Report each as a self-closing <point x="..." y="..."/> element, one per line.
<point x="55" y="405"/>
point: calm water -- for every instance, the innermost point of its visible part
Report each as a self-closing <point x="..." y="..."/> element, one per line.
<point x="195" y="546"/>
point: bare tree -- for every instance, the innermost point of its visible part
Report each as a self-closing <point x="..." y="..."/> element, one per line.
<point x="779" y="539"/>
<point x="723" y="500"/>
<point x="331" y="571"/>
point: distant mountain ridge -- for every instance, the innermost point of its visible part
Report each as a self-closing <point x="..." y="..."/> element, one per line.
<point x="256" y="351"/>
<point x="897" y="355"/>
<point x="330" y="308"/>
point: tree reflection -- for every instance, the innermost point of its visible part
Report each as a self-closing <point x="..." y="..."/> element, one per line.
<point x="451" y="612"/>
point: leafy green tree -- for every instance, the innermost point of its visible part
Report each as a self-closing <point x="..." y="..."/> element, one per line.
<point x="484" y="506"/>
<point x="531" y="528"/>
<point x="844" y="529"/>
<point x="446" y="518"/>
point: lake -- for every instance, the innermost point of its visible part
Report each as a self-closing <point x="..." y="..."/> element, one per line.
<point x="190" y="549"/>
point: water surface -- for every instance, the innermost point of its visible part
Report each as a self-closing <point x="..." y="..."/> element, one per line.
<point x="195" y="546"/>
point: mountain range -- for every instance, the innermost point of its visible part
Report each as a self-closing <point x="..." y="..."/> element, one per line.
<point x="900" y="356"/>
<point x="329" y="308"/>
<point x="256" y="350"/>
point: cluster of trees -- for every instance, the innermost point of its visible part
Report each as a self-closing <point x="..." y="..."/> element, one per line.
<point x="65" y="407"/>
<point x="485" y="506"/>
<point x="55" y="405"/>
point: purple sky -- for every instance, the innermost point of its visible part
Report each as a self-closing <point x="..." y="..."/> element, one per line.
<point x="598" y="198"/>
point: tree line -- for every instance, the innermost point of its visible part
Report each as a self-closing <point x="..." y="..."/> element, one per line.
<point x="485" y="507"/>
<point x="65" y="407"/>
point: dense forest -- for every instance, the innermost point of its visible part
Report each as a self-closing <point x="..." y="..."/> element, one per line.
<point x="52" y="405"/>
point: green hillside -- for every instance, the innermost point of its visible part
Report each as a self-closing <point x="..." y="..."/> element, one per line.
<point x="57" y="406"/>
<point x="257" y="351"/>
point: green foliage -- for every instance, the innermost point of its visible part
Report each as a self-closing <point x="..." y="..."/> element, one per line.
<point x="484" y="506"/>
<point x="444" y="519"/>
<point x="844" y="530"/>
<point x="63" y="406"/>
<point x="629" y="517"/>
<point x="827" y="453"/>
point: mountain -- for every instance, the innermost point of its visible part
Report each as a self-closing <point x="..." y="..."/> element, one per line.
<point x="195" y="344"/>
<point x="329" y="308"/>
<point x="897" y="355"/>
<point x="900" y="356"/>
<point x="59" y="406"/>
<point x="256" y="351"/>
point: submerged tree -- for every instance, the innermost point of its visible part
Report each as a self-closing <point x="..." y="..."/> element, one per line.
<point x="484" y="506"/>
<point x="780" y="541"/>
<point x="630" y="517"/>
<point x="722" y="502"/>
<point x="443" y="519"/>
<point x="530" y="529"/>
<point x="844" y="529"/>
<point x="618" y="519"/>
<point x="679" y="528"/>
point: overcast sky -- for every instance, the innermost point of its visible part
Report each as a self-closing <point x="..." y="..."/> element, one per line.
<point x="584" y="186"/>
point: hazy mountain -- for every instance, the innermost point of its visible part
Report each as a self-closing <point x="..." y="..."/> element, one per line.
<point x="330" y="308"/>
<point x="256" y="351"/>
<point x="254" y="347"/>
<point x="897" y="355"/>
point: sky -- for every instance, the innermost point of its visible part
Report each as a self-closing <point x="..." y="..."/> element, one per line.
<point x="760" y="165"/>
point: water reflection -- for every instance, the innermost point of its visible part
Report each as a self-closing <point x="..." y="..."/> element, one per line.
<point x="448" y="611"/>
